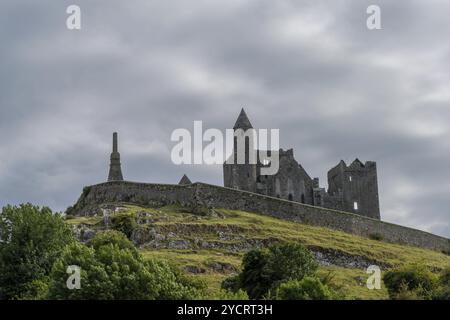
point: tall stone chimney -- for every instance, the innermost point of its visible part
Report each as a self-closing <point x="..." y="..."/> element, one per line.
<point x="115" y="172"/>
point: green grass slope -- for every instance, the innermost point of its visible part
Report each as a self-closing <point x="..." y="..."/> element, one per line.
<point x="211" y="246"/>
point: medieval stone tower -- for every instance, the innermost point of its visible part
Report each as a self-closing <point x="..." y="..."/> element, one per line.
<point x="355" y="188"/>
<point x="115" y="171"/>
<point x="239" y="175"/>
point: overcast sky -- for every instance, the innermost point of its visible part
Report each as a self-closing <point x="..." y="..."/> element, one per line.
<point x="335" y="89"/>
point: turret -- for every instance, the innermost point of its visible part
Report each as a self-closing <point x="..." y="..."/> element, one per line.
<point x="241" y="172"/>
<point x="356" y="186"/>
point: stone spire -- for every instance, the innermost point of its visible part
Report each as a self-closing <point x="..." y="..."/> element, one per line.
<point x="242" y="122"/>
<point x="115" y="172"/>
<point x="185" y="180"/>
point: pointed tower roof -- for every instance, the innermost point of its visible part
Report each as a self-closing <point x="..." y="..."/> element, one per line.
<point x="242" y="121"/>
<point x="185" y="180"/>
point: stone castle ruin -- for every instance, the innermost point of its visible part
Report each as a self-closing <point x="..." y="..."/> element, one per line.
<point x="350" y="204"/>
<point x="352" y="188"/>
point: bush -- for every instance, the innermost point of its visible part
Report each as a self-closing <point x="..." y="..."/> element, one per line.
<point x="124" y="222"/>
<point x="111" y="268"/>
<point x="35" y="290"/>
<point x="231" y="284"/>
<point x="33" y="238"/>
<point x="376" y="236"/>
<point x="442" y="291"/>
<point x="264" y="269"/>
<point x="309" y="288"/>
<point x="410" y="282"/>
<point x="444" y="278"/>
<point x="447" y="251"/>
<point x="229" y="295"/>
<point x="112" y="237"/>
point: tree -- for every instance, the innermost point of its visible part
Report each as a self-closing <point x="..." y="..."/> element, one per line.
<point x="31" y="239"/>
<point x="111" y="268"/>
<point x="289" y="261"/>
<point x="264" y="269"/>
<point x="253" y="278"/>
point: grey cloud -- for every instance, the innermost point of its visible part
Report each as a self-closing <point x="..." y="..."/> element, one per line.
<point x="311" y="68"/>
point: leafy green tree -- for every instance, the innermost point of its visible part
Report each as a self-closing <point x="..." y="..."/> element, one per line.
<point x="264" y="269"/>
<point x="309" y="288"/>
<point x="253" y="278"/>
<point x="94" y="280"/>
<point x="289" y="261"/>
<point x="31" y="239"/>
<point x="111" y="268"/>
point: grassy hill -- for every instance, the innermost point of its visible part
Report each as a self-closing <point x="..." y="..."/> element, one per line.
<point x="210" y="245"/>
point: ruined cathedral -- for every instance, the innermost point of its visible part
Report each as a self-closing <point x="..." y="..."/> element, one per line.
<point x="352" y="188"/>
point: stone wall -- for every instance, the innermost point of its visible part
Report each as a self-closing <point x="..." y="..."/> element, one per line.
<point x="147" y="194"/>
<point x="215" y="196"/>
<point x="204" y="195"/>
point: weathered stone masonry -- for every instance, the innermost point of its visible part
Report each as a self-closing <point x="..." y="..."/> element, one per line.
<point x="210" y="196"/>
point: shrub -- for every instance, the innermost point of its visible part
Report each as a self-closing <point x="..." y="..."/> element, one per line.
<point x="309" y="288"/>
<point x="376" y="236"/>
<point x="442" y="291"/>
<point x="124" y="222"/>
<point x="410" y="282"/>
<point x="447" y="251"/>
<point x="444" y="278"/>
<point x="231" y="284"/>
<point x="112" y="237"/>
<point x="33" y="238"/>
<point x="35" y="290"/>
<point x="264" y="269"/>
<point x="229" y="295"/>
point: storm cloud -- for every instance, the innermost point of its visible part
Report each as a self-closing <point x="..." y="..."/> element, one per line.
<point x="335" y="89"/>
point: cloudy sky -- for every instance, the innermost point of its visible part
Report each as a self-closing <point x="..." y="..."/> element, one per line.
<point x="335" y="89"/>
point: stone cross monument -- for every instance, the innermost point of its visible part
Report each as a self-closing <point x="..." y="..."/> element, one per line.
<point x="115" y="172"/>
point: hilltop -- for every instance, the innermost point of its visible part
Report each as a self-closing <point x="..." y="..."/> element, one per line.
<point x="209" y="245"/>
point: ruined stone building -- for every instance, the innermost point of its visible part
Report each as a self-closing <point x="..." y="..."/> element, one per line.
<point x="352" y="188"/>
